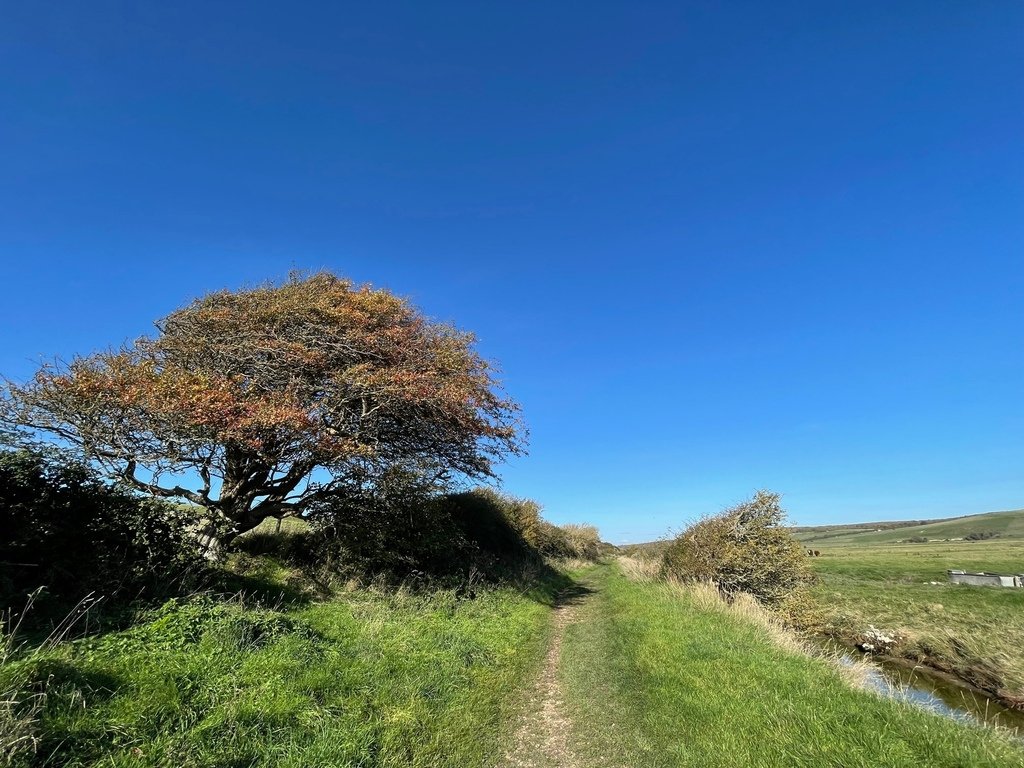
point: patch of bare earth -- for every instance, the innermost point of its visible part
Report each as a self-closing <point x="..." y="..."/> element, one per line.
<point x="542" y="738"/>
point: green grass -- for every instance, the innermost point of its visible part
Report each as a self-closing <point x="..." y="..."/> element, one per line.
<point x="974" y="632"/>
<point x="653" y="680"/>
<point x="366" y="679"/>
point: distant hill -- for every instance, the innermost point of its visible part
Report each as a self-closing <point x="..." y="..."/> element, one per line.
<point x="1007" y="525"/>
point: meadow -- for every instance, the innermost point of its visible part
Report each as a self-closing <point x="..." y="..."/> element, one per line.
<point x="877" y="577"/>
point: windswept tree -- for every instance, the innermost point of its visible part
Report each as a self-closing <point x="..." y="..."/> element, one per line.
<point x="259" y="403"/>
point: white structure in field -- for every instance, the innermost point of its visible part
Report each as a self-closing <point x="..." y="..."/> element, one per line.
<point x="985" y="579"/>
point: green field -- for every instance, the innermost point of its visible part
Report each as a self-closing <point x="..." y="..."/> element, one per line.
<point x="1007" y="525"/>
<point x="870" y="578"/>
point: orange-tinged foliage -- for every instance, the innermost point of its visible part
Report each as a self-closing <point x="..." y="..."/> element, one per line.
<point x="254" y="390"/>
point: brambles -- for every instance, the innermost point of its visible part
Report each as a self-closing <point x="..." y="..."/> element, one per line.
<point x="744" y="549"/>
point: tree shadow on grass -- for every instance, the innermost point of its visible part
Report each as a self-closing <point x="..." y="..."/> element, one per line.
<point x="574" y="594"/>
<point x="261" y="588"/>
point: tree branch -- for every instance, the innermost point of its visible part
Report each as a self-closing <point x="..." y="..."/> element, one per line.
<point x="128" y="475"/>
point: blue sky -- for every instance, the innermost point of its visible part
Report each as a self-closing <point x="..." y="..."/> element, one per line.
<point x="714" y="246"/>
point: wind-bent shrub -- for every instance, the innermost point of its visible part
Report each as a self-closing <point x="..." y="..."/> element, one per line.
<point x="276" y="399"/>
<point x="65" y="530"/>
<point x="744" y="549"/>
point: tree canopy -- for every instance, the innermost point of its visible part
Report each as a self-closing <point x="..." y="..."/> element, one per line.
<point x="258" y="403"/>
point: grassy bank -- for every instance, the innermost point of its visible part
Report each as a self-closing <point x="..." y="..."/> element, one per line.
<point x="654" y="679"/>
<point x="972" y="632"/>
<point x="365" y="679"/>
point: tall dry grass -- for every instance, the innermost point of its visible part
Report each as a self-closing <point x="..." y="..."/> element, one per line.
<point x="637" y="568"/>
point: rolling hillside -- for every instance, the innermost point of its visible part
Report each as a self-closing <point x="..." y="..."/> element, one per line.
<point x="1007" y="525"/>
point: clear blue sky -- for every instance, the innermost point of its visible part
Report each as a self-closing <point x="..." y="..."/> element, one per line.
<point x="715" y="246"/>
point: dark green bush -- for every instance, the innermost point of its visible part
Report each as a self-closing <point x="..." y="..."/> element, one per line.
<point x="71" y="534"/>
<point x="744" y="549"/>
<point x="404" y="531"/>
<point x="981" y="536"/>
<point x="500" y="530"/>
<point x="569" y="541"/>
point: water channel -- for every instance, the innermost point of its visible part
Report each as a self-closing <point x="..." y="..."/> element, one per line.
<point x="935" y="692"/>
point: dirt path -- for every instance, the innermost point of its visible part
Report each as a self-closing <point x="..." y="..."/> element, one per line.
<point x="543" y="733"/>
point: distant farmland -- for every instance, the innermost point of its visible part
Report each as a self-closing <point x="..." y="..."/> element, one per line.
<point x="1006" y="525"/>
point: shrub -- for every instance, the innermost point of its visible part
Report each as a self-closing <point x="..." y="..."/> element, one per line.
<point x="584" y="541"/>
<point x="499" y="528"/>
<point x="72" y="534"/>
<point x="403" y="529"/>
<point x="744" y="549"/>
<point x="981" y="536"/>
<point x="917" y="540"/>
<point x="569" y="541"/>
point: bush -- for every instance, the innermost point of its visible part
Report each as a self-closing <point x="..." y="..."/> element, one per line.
<point x="584" y="541"/>
<point x="917" y="540"/>
<point x="569" y="541"/>
<point x="981" y="536"/>
<point x="744" y="549"/>
<point x="66" y="531"/>
<point x="501" y="530"/>
<point x="401" y="530"/>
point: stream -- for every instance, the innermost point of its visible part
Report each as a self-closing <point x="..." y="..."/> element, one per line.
<point x="928" y="690"/>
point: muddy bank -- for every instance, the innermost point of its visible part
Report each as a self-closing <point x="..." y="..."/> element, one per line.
<point x="937" y="688"/>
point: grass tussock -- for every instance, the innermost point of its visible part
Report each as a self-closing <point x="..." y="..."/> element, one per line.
<point x="19" y="716"/>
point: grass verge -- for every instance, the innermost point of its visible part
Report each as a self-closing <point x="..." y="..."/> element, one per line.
<point x="370" y="678"/>
<point x="654" y="679"/>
